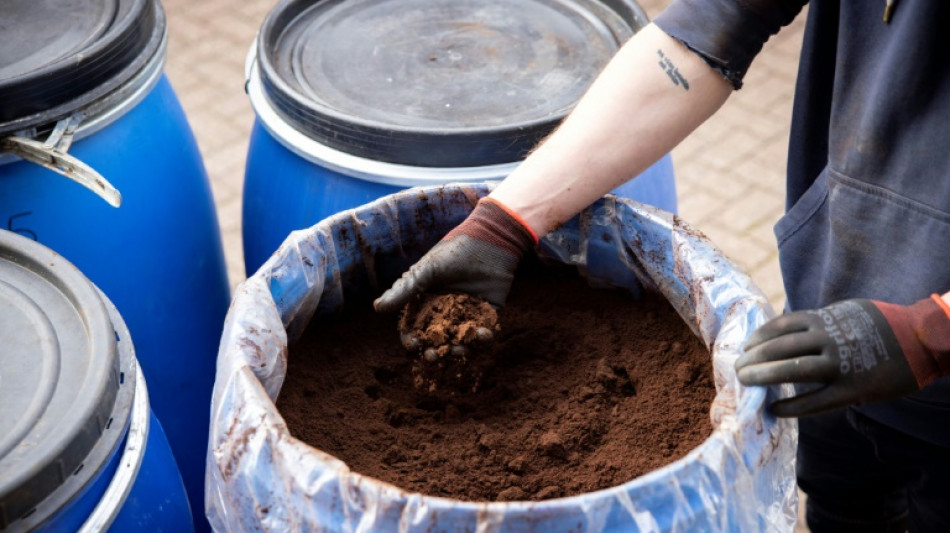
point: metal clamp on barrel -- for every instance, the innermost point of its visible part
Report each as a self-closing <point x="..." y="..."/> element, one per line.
<point x="53" y="155"/>
<point x="133" y="455"/>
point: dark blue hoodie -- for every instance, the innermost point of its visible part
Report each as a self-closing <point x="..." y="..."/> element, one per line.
<point x="868" y="205"/>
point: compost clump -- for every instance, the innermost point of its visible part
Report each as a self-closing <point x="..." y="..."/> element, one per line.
<point x="448" y="333"/>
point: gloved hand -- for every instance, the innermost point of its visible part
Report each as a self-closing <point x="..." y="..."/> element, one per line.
<point x="860" y="350"/>
<point x="479" y="257"/>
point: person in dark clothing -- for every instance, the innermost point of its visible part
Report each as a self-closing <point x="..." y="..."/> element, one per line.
<point x="863" y="244"/>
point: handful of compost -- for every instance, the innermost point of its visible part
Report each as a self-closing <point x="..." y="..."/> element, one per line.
<point x="447" y="334"/>
<point x="475" y="264"/>
<point x="440" y="325"/>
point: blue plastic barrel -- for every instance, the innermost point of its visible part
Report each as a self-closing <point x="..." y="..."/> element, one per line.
<point x="83" y="93"/>
<point x="360" y="99"/>
<point x="260" y="477"/>
<point x="81" y="450"/>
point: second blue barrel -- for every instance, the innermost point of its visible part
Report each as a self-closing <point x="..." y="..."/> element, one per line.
<point x="82" y="92"/>
<point x="80" y="448"/>
<point x="358" y="99"/>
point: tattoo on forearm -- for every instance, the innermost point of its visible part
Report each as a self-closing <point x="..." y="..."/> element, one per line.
<point x="672" y="71"/>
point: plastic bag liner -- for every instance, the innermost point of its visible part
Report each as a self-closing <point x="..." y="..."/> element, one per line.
<point x="260" y="478"/>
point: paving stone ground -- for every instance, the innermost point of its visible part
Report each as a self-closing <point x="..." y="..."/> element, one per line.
<point x="729" y="173"/>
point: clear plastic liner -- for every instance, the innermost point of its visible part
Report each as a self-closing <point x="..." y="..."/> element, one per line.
<point x="260" y="478"/>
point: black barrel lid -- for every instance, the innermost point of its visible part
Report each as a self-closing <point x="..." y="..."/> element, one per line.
<point x="60" y="55"/>
<point x="436" y="83"/>
<point x="59" y="372"/>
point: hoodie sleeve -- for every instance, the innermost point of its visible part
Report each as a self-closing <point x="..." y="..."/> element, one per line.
<point x="923" y="332"/>
<point x="727" y="34"/>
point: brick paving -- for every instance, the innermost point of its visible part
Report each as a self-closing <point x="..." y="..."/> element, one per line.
<point x="729" y="173"/>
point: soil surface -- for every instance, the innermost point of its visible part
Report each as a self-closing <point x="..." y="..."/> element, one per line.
<point x="448" y="329"/>
<point x="583" y="389"/>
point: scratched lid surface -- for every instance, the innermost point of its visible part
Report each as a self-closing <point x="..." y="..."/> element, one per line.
<point x="436" y="82"/>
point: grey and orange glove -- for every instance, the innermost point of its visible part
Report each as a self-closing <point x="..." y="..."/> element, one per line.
<point x="859" y="351"/>
<point x="479" y="257"/>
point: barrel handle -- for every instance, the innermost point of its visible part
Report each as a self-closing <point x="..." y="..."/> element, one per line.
<point x="52" y="155"/>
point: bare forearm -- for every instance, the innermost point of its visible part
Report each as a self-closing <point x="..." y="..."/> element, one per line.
<point x="652" y="94"/>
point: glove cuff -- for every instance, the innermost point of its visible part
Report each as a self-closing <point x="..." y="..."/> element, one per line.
<point x="923" y="332"/>
<point x="497" y="225"/>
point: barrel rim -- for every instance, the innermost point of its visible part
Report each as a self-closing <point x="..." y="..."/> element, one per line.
<point x="136" y="439"/>
<point x="351" y="165"/>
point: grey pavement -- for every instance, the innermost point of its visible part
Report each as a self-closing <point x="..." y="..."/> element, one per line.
<point x="729" y="173"/>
